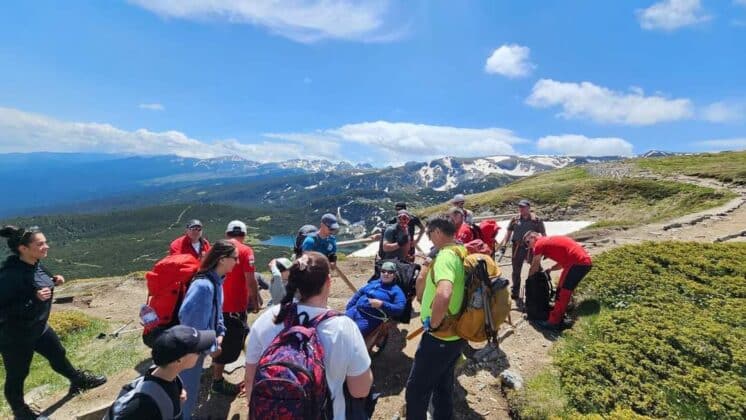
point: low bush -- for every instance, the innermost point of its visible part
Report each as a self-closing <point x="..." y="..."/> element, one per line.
<point x="669" y="339"/>
<point x="66" y="323"/>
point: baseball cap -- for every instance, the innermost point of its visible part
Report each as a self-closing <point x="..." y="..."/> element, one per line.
<point x="178" y="341"/>
<point x="283" y="263"/>
<point x="236" y="226"/>
<point x="524" y="203"/>
<point x="458" y="198"/>
<point x="400" y="205"/>
<point x="330" y="221"/>
<point x="193" y="223"/>
<point x="388" y="266"/>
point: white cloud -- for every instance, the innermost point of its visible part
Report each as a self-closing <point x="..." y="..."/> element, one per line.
<point x="578" y="145"/>
<point x="724" y="112"/>
<point x="26" y="132"/>
<point x="300" y="20"/>
<point x="603" y="105"/>
<point x="401" y="141"/>
<point x="152" y="107"/>
<point x="510" y="60"/>
<point x="717" y="145"/>
<point x="669" y="15"/>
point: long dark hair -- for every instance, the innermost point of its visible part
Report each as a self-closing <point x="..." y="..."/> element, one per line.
<point x="18" y="236"/>
<point x="307" y="276"/>
<point x="220" y="249"/>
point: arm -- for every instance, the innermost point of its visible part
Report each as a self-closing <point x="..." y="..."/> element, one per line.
<point x="356" y="297"/>
<point x="440" y="302"/>
<point x="253" y="288"/>
<point x="359" y="376"/>
<point x="249" y="380"/>
<point x="535" y="265"/>
<point x="420" y="283"/>
<point x="396" y="307"/>
<point x="359" y="386"/>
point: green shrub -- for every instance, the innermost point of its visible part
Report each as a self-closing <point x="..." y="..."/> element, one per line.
<point x="670" y="340"/>
<point x="66" y="323"/>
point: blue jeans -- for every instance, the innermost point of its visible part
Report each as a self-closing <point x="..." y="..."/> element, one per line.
<point x="191" y="380"/>
<point x="432" y="376"/>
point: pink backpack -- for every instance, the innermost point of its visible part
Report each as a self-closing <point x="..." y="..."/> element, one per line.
<point x="290" y="381"/>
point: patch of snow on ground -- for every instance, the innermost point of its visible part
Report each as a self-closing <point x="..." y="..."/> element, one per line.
<point x="450" y="183"/>
<point x="553" y="228"/>
<point x="310" y="187"/>
<point x="484" y="167"/>
<point x="521" y="170"/>
<point x="426" y="174"/>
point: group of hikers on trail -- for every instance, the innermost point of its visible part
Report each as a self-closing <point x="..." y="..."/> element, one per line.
<point x="303" y="360"/>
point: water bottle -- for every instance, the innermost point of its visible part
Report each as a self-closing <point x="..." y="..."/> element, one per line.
<point x="148" y="317"/>
<point x="476" y="299"/>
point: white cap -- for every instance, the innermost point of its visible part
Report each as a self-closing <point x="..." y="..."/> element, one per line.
<point x="236" y="226"/>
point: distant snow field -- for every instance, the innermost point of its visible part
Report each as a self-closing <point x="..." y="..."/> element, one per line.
<point x="553" y="228"/>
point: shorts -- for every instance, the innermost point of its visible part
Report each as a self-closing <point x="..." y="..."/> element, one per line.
<point x="236" y="330"/>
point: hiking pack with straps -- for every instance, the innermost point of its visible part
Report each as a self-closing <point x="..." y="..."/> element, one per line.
<point x="167" y="284"/>
<point x="539" y="292"/>
<point x="290" y="380"/>
<point x="140" y="386"/>
<point x="304" y="232"/>
<point x="486" y="302"/>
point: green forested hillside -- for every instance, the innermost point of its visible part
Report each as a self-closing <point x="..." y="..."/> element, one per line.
<point x="116" y="243"/>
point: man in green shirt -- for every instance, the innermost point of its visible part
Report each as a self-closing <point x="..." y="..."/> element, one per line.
<point x="441" y="292"/>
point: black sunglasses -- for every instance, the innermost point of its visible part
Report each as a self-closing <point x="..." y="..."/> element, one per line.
<point x="388" y="272"/>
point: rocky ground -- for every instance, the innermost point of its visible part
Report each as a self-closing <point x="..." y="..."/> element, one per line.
<point x="478" y="391"/>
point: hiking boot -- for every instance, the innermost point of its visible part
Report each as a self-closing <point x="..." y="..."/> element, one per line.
<point x="224" y="387"/>
<point x="86" y="380"/>
<point x="545" y="325"/>
<point x="26" y="413"/>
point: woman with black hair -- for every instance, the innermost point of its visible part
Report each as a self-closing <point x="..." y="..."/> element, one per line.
<point x="346" y="358"/>
<point x="202" y="309"/>
<point x="26" y="290"/>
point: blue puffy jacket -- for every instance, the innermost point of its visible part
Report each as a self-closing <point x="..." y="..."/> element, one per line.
<point x="368" y="318"/>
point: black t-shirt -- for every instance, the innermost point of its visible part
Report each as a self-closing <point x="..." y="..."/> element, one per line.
<point x="414" y="221"/>
<point x="142" y="406"/>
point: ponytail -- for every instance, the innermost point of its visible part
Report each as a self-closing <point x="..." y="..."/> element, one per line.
<point x="18" y="236"/>
<point x="307" y="277"/>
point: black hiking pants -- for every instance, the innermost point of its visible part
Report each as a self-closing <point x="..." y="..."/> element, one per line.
<point x="17" y="360"/>
<point x="517" y="259"/>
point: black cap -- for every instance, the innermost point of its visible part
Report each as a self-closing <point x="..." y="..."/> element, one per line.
<point x="400" y="206"/>
<point x="524" y="203"/>
<point x="178" y="341"/>
<point x="193" y="223"/>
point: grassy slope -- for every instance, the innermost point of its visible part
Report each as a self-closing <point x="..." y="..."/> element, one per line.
<point x="726" y="167"/>
<point x="666" y="342"/>
<point x="117" y="243"/>
<point x="574" y="193"/>
<point x="78" y="333"/>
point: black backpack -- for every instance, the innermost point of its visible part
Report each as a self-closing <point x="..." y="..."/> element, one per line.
<point x="149" y="388"/>
<point x="539" y="292"/>
<point x="304" y="232"/>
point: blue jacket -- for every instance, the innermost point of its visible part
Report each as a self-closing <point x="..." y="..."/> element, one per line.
<point x="326" y="246"/>
<point x="393" y="299"/>
<point x="198" y="309"/>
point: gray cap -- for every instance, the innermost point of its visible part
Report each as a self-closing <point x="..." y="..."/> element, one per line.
<point x="330" y="221"/>
<point x="193" y="223"/>
<point x="458" y="198"/>
<point x="388" y="266"/>
<point x="402" y="212"/>
<point x="524" y="203"/>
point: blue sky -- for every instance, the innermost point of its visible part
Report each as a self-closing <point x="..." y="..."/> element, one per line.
<point x="372" y="81"/>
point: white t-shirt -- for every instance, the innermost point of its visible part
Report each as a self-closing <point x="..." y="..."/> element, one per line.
<point x="345" y="353"/>
<point x="197" y="246"/>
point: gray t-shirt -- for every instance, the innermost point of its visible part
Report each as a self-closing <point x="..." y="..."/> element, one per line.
<point x="393" y="234"/>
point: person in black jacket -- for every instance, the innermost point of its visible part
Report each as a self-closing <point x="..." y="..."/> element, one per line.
<point x="26" y="290"/>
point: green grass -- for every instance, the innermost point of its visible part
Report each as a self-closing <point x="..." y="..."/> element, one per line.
<point x="78" y="333"/>
<point x="726" y="166"/>
<point x="668" y="341"/>
<point x="574" y="193"/>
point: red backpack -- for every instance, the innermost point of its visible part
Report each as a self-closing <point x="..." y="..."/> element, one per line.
<point x="489" y="229"/>
<point x="290" y="381"/>
<point x="167" y="284"/>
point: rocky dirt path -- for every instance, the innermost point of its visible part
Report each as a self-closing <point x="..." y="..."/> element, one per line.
<point x="478" y="390"/>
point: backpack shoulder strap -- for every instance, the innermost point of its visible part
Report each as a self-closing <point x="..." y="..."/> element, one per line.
<point x="318" y="319"/>
<point x="159" y="396"/>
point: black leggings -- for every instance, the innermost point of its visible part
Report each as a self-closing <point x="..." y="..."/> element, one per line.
<point x="17" y="362"/>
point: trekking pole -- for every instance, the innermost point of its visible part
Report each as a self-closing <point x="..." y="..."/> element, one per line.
<point x="346" y="280"/>
<point x="415" y="333"/>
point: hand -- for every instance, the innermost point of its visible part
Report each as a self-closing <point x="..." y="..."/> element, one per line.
<point x="271" y="263"/>
<point x="376" y="303"/>
<point x="44" y="294"/>
<point x="58" y="279"/>
<point x="426" y="324"/>
<point x="183" y="396"/>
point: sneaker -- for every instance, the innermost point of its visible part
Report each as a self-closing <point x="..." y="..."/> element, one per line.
<point x="224" y="387"/>
<point x="86" y="380"/>
<point x="26" y="413"/>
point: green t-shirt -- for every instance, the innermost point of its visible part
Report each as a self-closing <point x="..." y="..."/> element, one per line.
<point x="447" y="266"/>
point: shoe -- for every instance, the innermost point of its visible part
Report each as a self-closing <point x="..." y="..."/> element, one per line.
<point x="86" y="380"/>
<point x="545" y="325"/>
<point x="26" y="413"/>
<point x="224" y="387"/>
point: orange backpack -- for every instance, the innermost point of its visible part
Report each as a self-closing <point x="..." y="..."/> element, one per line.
<point x="167" y="284"/>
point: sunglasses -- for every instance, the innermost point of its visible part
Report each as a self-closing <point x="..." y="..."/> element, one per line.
<point x="196" y="228"/>
<point x="387" y="272"/>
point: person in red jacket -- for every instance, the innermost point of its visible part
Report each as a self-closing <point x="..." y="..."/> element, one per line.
<point x="192" y="242"/>
<point x="464" y="235"/>
<point x="240" y="294"/>
<point x="570" y="257"/>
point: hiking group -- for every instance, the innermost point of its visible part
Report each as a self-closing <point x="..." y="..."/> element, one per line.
<point x="303" y="360"/>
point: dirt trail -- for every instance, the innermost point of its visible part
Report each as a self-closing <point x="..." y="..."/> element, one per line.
<point x="478" y="392"/>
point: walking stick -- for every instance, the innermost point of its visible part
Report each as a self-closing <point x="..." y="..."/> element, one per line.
<point x="346" y="280"/>
<point x="415" y="333"/>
